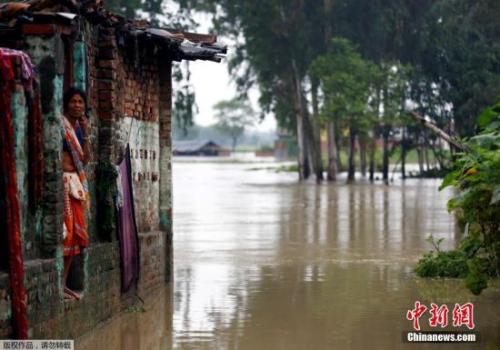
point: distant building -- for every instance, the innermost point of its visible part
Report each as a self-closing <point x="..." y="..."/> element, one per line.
<point x="198" y="148"/>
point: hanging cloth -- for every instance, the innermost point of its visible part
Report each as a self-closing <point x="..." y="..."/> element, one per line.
<point x="10" y="189"/>
<point x="127" y="228"/>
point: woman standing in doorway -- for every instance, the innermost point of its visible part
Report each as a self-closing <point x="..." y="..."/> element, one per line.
<point x="76" y="154"/>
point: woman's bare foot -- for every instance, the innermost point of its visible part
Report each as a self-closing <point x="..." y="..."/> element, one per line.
<point x="72" y="294"/>
<point x="68" y="296"/>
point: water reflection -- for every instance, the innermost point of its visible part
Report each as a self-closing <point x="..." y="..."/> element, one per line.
<point x="262" y="262"/>
<point x="280" y="265"/>
<point x="147" y="327"/>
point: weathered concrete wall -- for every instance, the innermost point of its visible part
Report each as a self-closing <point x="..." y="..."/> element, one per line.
<point x="128" y="102"/>
<point x="165" y="210"/>
<point x="145" y="150"/>
<point x="46" y="53"/>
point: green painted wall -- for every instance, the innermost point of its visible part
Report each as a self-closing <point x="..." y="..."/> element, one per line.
<point x="80" y="65"/>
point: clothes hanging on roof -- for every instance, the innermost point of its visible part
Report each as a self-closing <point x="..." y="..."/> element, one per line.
<point x="10" y="189"/>
<point x="127" y="228"/>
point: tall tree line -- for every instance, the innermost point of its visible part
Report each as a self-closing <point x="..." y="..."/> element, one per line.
<point x="352" y="68"/>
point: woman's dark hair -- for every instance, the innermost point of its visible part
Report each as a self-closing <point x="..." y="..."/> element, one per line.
<point x="72" y="91"/>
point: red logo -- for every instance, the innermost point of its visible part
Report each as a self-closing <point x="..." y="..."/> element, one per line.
<point x="463" y="315"/>
<point x="415" y="314"/>
<point x="439" y="315"/>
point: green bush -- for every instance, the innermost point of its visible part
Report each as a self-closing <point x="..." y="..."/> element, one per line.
<point x="476" y="177"/>
<point x="443" y="264"/>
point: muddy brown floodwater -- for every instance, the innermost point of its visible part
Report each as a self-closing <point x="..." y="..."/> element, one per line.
<point x="263" y="262"/>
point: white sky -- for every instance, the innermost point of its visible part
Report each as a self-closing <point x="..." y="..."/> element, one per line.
<point x="212" y="84"/>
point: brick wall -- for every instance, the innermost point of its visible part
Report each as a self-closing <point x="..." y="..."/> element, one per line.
<point x="138" y="107"/>
<point x="5" y="309"/>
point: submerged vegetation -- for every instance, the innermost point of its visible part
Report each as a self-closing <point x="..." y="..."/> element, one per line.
<point x="476" y="177"/>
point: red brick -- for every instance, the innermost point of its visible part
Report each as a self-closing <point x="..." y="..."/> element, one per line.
<point x="105" y="85"/>
<point x="107" y="64"/>
<point x="107" y="31"/>
<point x="106" y="115"/>
<point x="106" y="74"/>
<point x="105" y="105"/>
<point x="107" y="53"/>
<point x="105" y="94"/>
<point x="38" y="29"/>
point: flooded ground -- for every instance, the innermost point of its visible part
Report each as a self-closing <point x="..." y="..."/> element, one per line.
<point x="262" y="262"/>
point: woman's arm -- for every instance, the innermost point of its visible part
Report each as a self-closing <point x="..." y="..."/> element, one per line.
<point x="86" y="144"/>
<point x="67" y="162"/>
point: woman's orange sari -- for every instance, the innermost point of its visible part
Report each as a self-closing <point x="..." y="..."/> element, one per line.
<point x="76" y="197"/>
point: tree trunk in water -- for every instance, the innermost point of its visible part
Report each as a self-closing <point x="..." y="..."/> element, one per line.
<point x="313" y="151"/>
<point x="385" y="135"/>
<point x="403" y="155"/>
<point x="332" y="152"/>
<point x="333" y="149"/>
<point x="338" y="144"/>
<point x="436" y="148"/>
<point x="362" y="154"/>
<point x="315" y="137"/>
<point x="426" y="152"/>
<point x="420" y="158"/>
<point x="426" y="157"/>
<point x="352" y="146"/>
<point x="373" y="149"/>
<point x="301" y="141"/>
<point x="385" y="157"/>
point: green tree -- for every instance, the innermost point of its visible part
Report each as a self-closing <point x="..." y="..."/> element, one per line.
<point x="459" y="52"/>
<point x="126" y="8"/>
<point x="276" y="42"/>
<point x="346" y="79"/>
<point x="452" y="46"/>
<point x="233" y="116"/>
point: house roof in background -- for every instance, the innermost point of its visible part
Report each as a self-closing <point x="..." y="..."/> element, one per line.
<point x="180" y="45"/>
<point x="192" y="145"/>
